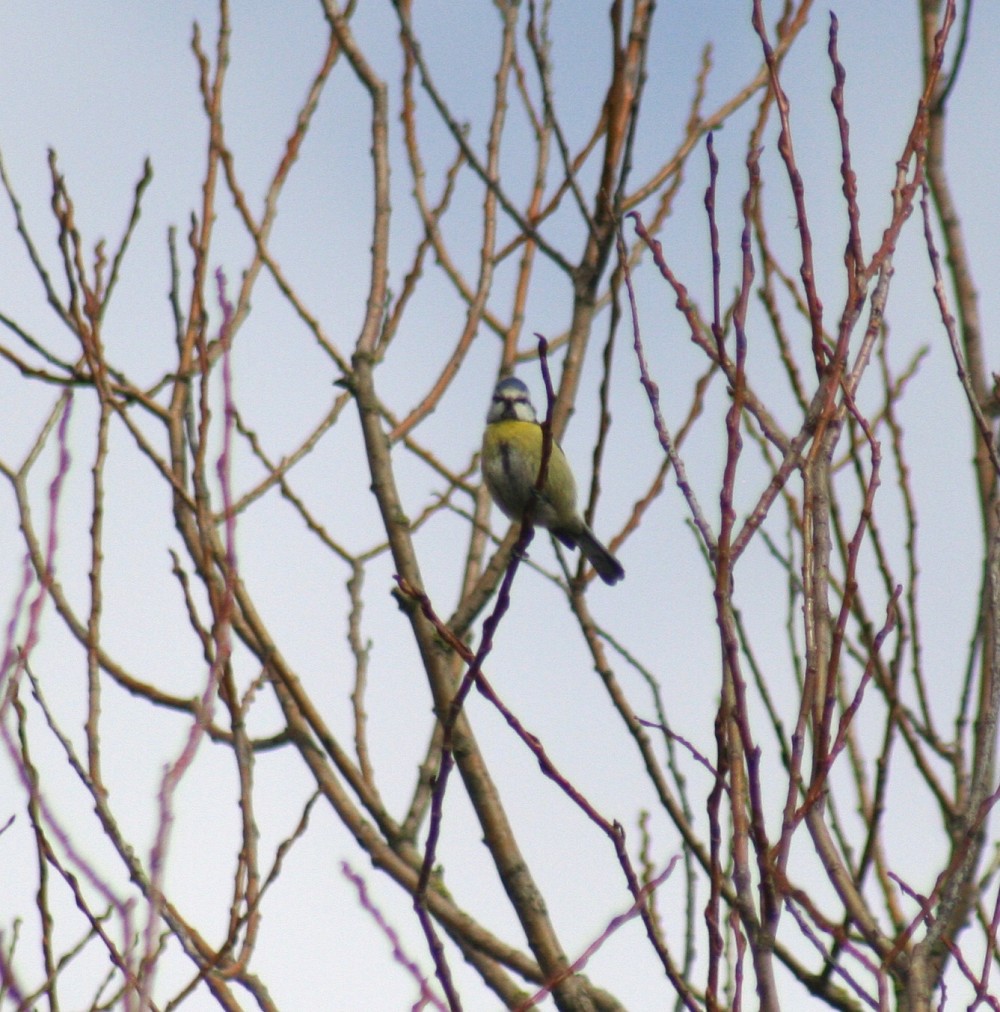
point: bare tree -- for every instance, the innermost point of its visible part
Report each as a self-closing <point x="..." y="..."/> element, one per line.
<point x="755" y="859"/>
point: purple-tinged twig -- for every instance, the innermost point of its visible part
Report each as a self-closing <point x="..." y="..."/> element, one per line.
<point x="635" y="910"/>
<point x="807" y="930"/>
<point x="427" y="996"/>
<point x="653" y="395"/>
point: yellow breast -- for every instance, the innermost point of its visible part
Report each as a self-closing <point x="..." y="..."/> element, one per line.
<point x="511" y="458"/>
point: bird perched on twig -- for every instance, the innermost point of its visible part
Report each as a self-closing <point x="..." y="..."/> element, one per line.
<point x="511" y="459"/>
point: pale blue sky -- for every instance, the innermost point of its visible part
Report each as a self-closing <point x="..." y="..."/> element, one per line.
<point x="115" y="83"/>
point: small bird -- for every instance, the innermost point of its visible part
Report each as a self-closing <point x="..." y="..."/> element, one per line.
<point x="511" y="459"/>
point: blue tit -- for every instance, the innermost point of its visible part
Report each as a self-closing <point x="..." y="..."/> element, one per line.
<point x="511" y="460"/>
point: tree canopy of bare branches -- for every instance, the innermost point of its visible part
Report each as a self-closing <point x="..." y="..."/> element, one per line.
<point x="291" y="717"/>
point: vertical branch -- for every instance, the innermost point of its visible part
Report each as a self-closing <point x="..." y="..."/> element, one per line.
<point x="92" y="724"/>
<point x="246" y="896"/>
<point x="743" y="755"/>
<point x="969" y="826"/>
<point x="219" y="674"/>
<point x="807" y="269"/>
<point x="956" y="246"/>
<point x="728" y="759"/>
<point x="621" y="108"/>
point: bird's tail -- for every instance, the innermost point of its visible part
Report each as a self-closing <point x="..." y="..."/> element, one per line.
<point x="609" y="569"/>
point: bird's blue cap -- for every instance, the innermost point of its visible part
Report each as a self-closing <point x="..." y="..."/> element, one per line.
<point x="511" y="383"/>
